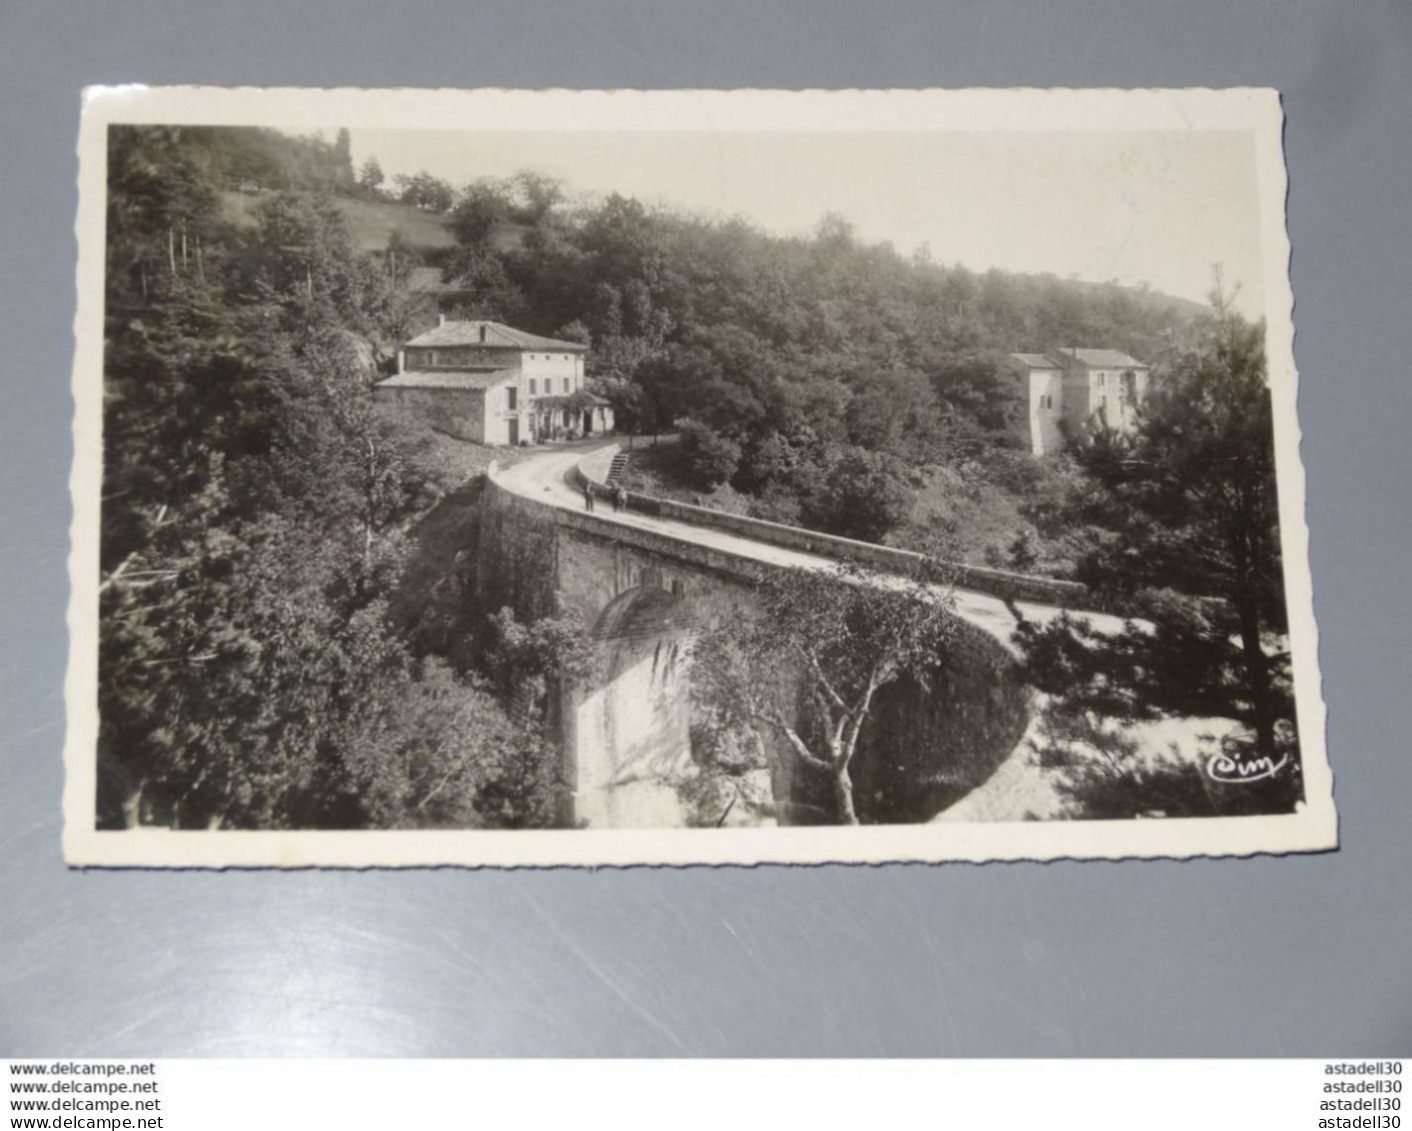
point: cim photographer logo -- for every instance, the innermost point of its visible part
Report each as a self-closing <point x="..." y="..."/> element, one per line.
<point x="1225" y="767"/>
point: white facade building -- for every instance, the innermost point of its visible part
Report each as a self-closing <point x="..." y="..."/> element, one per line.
<point x="490" y="383"/>
<point x="1081" y="388"/>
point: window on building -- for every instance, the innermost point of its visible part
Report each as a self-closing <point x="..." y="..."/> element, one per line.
<point x="533" y="389"/>
<point x="1102" y="378"/>
<point x="512" y="394"/>
<point x="566" y="384"/>
<point x="433" y="358"/>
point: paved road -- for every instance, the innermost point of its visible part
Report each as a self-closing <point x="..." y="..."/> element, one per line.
<point x="548" y="478"/>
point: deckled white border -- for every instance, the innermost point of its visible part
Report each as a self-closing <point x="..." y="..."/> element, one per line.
<point x="1256" y="111"/>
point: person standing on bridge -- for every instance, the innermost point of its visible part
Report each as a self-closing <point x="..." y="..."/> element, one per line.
<point x="588" y="496"/>
<point x="620" y="498"/>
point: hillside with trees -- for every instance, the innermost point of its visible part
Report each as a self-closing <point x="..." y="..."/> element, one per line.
<point x="817" y="380"/>
<point x="259" y="519"/>
<point x="261" y="662"/>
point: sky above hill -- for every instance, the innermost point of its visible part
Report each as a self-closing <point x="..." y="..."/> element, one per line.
<point x="1131" y="206"/>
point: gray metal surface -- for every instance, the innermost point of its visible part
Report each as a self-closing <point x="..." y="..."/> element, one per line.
<point x="1258" y="957"/>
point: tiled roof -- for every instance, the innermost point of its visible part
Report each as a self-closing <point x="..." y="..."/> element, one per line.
<point x="1103" y="359"/>
<point x="448" y="379"/>
<point x="1035" y="361"/>
<point x="497" y="335"/>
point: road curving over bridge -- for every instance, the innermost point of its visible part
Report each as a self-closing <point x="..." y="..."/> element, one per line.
<point x="648" y="578"/>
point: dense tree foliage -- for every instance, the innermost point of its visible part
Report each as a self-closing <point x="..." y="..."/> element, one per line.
<point x="422" y="190"/>
<point x="256" y="513"/>
<point x="252" y="157"/>
<point x="810" y="666"/>
<point x="370" y="176"/>
<point x="1185" y="527"/>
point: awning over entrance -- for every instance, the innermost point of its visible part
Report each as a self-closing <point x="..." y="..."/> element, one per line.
<point x="575" y="414"/>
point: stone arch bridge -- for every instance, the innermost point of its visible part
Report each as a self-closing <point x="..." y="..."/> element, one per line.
<point x="649" y="578"/>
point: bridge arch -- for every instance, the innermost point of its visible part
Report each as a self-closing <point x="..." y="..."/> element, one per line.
<point x="630" y="729"/>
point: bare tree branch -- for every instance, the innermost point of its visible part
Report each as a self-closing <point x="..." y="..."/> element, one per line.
<point x="794" y="740"/>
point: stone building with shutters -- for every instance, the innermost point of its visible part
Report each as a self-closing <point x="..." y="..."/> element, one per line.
<point x="492" y="384"/>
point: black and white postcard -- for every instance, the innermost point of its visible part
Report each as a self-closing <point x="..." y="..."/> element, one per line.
<point x="505" y="478"/>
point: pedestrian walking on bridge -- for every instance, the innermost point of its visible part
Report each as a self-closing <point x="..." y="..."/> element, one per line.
<point x="588" y="496"/>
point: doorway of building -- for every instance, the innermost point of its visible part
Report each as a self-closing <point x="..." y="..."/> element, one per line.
<point x="588" y="422"/>
<point x="514" y="432"/>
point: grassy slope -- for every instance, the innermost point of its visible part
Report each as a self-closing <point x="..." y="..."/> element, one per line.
<point x="373" y="222"/>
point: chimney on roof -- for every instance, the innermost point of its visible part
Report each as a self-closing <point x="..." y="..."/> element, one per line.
<point x="441" y="320"/>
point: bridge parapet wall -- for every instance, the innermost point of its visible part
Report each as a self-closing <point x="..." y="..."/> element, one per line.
<point x="535" y="550"/>
<point x="498" y="497"/>
<point x="591" y="472"/>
